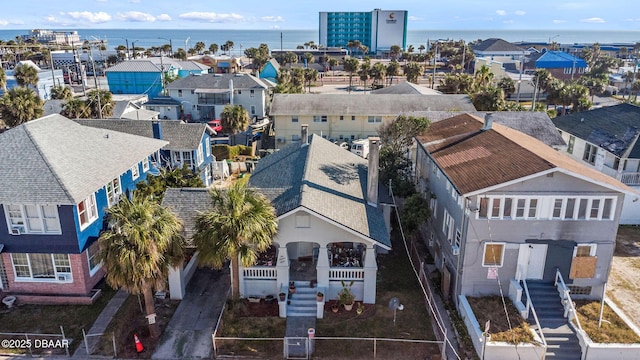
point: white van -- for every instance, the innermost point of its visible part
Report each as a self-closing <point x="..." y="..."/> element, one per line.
<point x="360" y="148"/>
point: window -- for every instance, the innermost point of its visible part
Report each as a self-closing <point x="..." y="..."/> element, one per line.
<point x="145" y="164"/>
<point x="557" y="208"/>
<point x="87" y="211"/>
<point x="135" y="172"/>
<point x="295" y="137"/>
<point x="493" y="255"/>
<point x="506" y="209"/>
<point x="208" y="146"/>
<point x="570" y="209"/>
<point x="458" y="238"/>
<point x="595" y="209"/>
<point x="484" y="203"/>
<point x="495" y="208"/>
<point x="41" y="266"/>
<point x="182" y="158"/>
<point x="33" y="219"/>
<point x="319" y="118"/>
<point x="572" y="140"/>
<point x="447" y="226"/>
<point x="582" y="209"/>
<point x="252" y="93"/>
<point x="434" y="208"/>
<point x="113" y="191"/>
<point x="92" y="253"/>
<point x="200" y="158"/>
<point x="590" y="153"/>
<point x="606" y="210"/>
<point x="294" y="118"/>
<point x="520" y="207"/>
<point x="374" y="119"/>
<point x="341" y="117"/>
<point x="253" y="109"/>
<point x="584" y="250"/>
<point x="533" y="208"/>
<point x="353" y="118"/>
<point x="179" y="93"/>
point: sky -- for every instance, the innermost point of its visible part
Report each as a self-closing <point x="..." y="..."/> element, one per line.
<point x="303" y="14"/>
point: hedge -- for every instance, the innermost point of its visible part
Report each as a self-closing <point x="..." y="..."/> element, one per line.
<point x="230" y="152"/>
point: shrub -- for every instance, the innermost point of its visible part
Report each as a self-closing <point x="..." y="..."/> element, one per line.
<point x="220" y="151"/>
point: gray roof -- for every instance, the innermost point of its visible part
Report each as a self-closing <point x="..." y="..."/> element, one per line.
<point x="180" y="135"/>
<point x="358" y="104"/>
<point x="406" y="88"/>
<point x="53" y="107"/>
<point x="135" y="66"/>
<point x="122" y="106"/>
<point x="192" y="65"/>
<point x="535" y="124"/>
<point x="324" y="179"/>
<point x="217" y="81"/>
<point x="54" y="160"/>
<point x="614" y="128"/>
<point x="140" y="114"/>
<point x="187" y="203"/>
<point x="497" y="46"/>
<point x="162" y="100"/>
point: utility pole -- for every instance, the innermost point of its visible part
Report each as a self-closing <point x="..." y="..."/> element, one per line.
<point x="573" y="69"/>
<point x="520" y="78"/>
<point x="435" y="62"/>
<point x="95" y="80"/>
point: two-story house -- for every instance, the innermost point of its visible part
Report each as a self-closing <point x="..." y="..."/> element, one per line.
<point x="561" y="65"/>
<point x="58" y="178"/>
<point x="506" y="207"/>
<point x="203" y="97"/>
<point x="189" y="144"/>
<point x="340" y="117"/>
<point x="606" y="139"/>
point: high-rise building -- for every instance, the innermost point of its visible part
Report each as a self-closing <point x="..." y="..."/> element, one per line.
<point x="377" y="29"/>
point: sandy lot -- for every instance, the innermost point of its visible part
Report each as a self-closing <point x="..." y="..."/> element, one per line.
<point x="624" y="281"/>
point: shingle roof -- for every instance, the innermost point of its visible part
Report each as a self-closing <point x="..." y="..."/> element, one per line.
<point x="474" y="159"/>
<point x="53" y="160"/>
<point x="217" y="81"/>
<point x="558" y="60"/>
<point x="536" y="124"/>
<point x="357" y="104"/>
<point x="180" y="136"/>
<point x="496" y="45"/>
<point x="322" y="178"/>
<point x="121" y="107"/>
<point x="162" y="100"/>
<point x="406" y="88"/>
<point x="187" y="203"/>
<point x="614" y="128"/>
<point x="135" y="66"/>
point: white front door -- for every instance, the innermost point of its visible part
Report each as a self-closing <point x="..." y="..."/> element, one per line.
<point x="537" y="257"/>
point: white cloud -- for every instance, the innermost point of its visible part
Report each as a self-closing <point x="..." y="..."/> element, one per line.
<point x="415" y="18"/>
<point x="508" y="22"/>
<point x="272" y="18"/>
<point x="275" y="27"/>
<point x="593" y="20"/>
<point x="558" y="21"/>
<point x="134" y="1"/>
<point x="102" y="0"/>
<point x="98" y="17"/>
<point x="501" y="12"/>
<point x="211" y="17"/>
<point x="163" y="17"/>
<point x="520" y="13"/>
<point x="136" y="16"/>
<point x="632" y="20"/>
<point x="4" y="23"/>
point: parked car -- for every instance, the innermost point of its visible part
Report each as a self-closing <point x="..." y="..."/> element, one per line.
<point x="216" y="125"/>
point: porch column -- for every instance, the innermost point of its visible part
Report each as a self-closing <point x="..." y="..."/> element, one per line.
<point x="282" y="267"/>
<point x="370" y="273"/>
<point x="322" y="267"/>
<point x="243" y="287"/>
<point x="176" y="282"/>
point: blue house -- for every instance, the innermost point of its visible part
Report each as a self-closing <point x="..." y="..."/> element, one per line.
<point x="561" y="65"/>
<point x="46" y="80"/>
<point x="58" y="179"/>
<point x="189" y="143"/>
<point x="270" y="71"/>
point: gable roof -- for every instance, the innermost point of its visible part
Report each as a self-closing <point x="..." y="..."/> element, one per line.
<point x="406" y="87"/>
<point x="383" y="104"/>
<point x="614" y="128"/>
<point x="135" y="66"/>
<point x="324" y="179"/>
<point x="187" y="203"/>
<point x="217" y="81"/>
<point x="559" y="60"/>
<point x="496" y="45"/>
<point x="474" y="159"/>
<point x="54" y="160"/>
<point x="180" y="135"/>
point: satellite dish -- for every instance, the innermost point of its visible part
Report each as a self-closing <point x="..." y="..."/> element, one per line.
<point x="394" y="304"/>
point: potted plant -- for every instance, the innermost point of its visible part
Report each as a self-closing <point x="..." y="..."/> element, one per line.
<point x="335" y="306"/>
<point x="346" y="296"/>
<point x="282" y="296"/>
<point x="320" y="296"/>
<point x="292" y="287"/>
<point x="360" y="308"/>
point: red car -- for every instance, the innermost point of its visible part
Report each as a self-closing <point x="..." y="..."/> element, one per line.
<point x="215" y="125"/>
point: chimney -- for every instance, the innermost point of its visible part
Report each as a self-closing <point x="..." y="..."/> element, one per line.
<point x="231" y="91"/>
<point x="488" y="121"/>
<point x="157" y="129"/>
<point x="372" y="177"/>
<point x="304" y="134"/>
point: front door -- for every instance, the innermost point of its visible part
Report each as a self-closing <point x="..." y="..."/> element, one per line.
<point x="537" y="257"/>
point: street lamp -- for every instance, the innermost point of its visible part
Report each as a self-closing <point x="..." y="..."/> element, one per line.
<point x="170" y="45"/>
<point x="552" y="37"/>
<point x="133" y="48"/>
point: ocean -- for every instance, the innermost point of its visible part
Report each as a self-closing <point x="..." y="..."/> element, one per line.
<point x="244" y="39"/>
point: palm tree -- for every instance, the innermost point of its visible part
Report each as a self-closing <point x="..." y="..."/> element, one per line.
<point x="377" y="72"/>
<point x="310" y="75"/>
<point x="60" y="92"/>
<point x="308" y="58"/>
<point x="483" y="77"/>
<point x="363" y="73"/>
<point x="144" y="242"/>
<point x="3" y="80"/>
<point x="394" y="51"/>
<point x="100" y="99"/>
<point x="228" y="46"/>
<point x="213" y="48"/>
<point x="234" y="118"/>
<point x="199" y="46"/>
<point x="421" y="48"/>
<point x="352" y="45"/>
<point x="20" y="105"/>
<point x="333" y="62"/>
<point x="393" y="69"/>
<point x="488" y="98"/>
<point x="413" y="70"/>
<point x="240" y="225"/>
<point x="351" y="66"/>
<point x="507" y="85"/>
<point x="76" y="109"/>
<point x="26" y="75"/>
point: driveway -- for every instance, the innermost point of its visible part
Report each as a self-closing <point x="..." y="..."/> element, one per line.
<point x="188" y="335"/>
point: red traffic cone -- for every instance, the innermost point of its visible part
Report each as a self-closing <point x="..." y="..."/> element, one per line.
<point x="139" y="347"/>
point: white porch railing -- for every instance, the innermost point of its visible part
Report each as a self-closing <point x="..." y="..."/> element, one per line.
<point x="260" y="272"/>
<point x="632" y="178"/>
<point x="569" y="309"/>
<point x="529" y="306"/>
<point x="346" y="274"/>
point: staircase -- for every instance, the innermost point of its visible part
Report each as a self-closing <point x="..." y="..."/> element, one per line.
<point x="303" y="302"/>
<point x="562" y="342"/>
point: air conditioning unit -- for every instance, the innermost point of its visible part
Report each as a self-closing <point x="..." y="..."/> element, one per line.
<point x="64" y="277"/>
<point x="280" y="139"/>
<point x="456" y="250"/>
<point x="17" y="230"/>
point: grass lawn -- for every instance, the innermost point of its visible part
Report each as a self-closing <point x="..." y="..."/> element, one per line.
<point x="613" y="329"/>
<point x="491" y="308"/>
<point x="47" y="319"/>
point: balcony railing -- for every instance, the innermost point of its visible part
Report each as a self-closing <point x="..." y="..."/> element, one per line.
<point x="260" y="272"/>
<point x="632" y="178"/>
<point x="346" y="274"/>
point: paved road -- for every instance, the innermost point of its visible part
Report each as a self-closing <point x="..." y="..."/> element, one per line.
<point x="188" y="335"/>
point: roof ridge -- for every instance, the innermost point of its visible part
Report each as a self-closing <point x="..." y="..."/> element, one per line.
<point x="49" y="164"/>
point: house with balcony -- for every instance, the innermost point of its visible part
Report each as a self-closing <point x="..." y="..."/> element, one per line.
<point x="344" y="118"/>
<point x="188" y="144"/>
<point x="511" y="215"/>
<point x="203" y="97"/>
<point x="606" y="139"/>
<point x="333" y="219"/>
<point x="58" y="179"/>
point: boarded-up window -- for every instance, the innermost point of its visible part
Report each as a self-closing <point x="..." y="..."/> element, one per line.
<point x="583" y="265"/>
<point x="493" y="253"/>
<point x="483" y="208"/>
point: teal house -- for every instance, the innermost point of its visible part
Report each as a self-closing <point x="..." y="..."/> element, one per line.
<point x="270" y="71"/>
